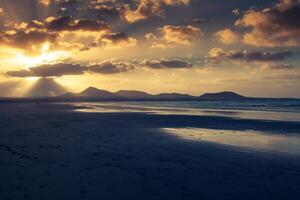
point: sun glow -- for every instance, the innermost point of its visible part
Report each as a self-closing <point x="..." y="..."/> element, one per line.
<point x="32" y="79"/>
<point x="46" y="56"/>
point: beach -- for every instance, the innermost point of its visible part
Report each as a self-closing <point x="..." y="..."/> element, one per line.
<point x="71" y="151"/>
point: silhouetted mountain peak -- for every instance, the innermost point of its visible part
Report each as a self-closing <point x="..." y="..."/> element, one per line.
<point x="133" y="94"/>
<point x="93" y="92"/>
<point x="174" y="96"/>
<point x="91" y="88"/>
<point x="222" y="95"/>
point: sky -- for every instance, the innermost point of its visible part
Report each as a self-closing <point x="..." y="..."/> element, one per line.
<point x="187" y="46"/>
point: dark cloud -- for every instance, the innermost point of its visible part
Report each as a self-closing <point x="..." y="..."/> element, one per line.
<point x="70" y="24"/>
<point x="50" y="70"/>
<point x="27" y="10"/>
<point x="108" y="67"/>
<point x="65" y="23"/>
<point x="30" y="40"/>
<point x="111" y="67"/>
<point x="68" y="3"/>
<point x="275" y="26"/>
<point x="115" y="37"/>
<point x="196" y="21"/>
<point x="20" y="73"/>
<point x="30" y="37"/>
<point x="117" y="40"/>
<point x="103" y="10"/>
<point x="219" y="55"/>
<point x="63" y="69"/>
<point x="166" y="64"/>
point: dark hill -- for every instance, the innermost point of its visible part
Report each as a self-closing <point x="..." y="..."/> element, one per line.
<point x="133" y="94"/>
<point x="221" y="96"/>
<point x="91" y="92"/>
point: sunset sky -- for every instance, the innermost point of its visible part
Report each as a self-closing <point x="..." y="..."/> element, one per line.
<point x="187" y="46"/>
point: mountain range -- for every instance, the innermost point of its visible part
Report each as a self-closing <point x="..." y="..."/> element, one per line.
<point x="95" y="93"/>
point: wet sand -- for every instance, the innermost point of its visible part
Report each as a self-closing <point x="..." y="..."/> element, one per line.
<point x="50" y="151"/>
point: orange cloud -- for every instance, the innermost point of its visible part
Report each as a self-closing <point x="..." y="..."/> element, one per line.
<point x="44" y="2"/>
<point x="169" y="36"/>
<point x="227" y="36"/>
<point x="148" y="8"/>
<point x="63" y="33"/>
<point x="2" y="13"/>
<point x="275" y="26"/>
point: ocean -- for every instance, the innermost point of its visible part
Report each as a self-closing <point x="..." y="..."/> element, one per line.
<point x="269" y="109"/>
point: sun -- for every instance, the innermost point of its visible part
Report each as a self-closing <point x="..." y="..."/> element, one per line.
<point x="46" y="56"/>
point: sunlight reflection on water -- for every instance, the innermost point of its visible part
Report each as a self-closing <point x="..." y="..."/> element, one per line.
<point x="249" y="139"/>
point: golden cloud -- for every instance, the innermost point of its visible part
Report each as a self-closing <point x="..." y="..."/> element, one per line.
<point x="44" y="2"/>
<point x="275" y="26"/>
<point x="169" y="36"/>
<point x="63" y="33"/>
<point x="227" y="36"/>
<point x="147" y="8"/>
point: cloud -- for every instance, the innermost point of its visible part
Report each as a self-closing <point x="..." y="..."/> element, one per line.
<point x="176" y="2"/>
<point x="69" y="24"/>
<point x="64" y="69"/>
<point x="104" y="9"/>
<point x="2" y="13"/>
<point x="169" y="35"/>
<point x="236" y="11"/>
<point x="106" y="68"/>
<point x="117" y="40"/>
<point x="111" y="67"/>
<point x="276" y="66"/>
<point x="134" y="11"/>
<point x="44" y="2"/>
<point x="166" y="64"/>
<point x="31" y="40"/>
<point x="145" y="10"/>
<point x="49" y="70"/>
<point x="196" y="21"/>
<point x="219" y="55"/>
<point x="31" y="37"/>
<point x="148" y="8"/>
<point x="227" y="36"/>
<point x="275" y="26"/>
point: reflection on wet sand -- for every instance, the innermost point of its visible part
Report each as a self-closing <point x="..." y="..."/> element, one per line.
<point x="250" y="139"/>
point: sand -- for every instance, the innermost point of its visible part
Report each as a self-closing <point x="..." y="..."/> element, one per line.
<point x="49" y="151"/>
